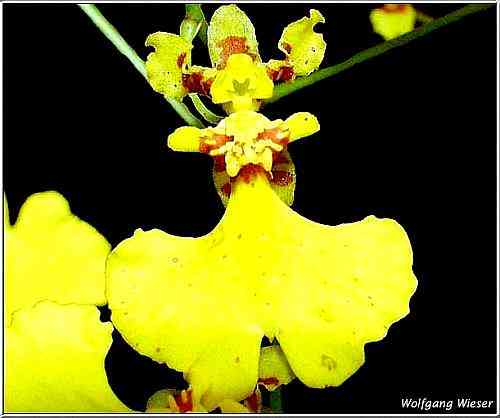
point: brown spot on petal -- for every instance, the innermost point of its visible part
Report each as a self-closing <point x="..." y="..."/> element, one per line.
<point x="281" y="178"/>
<point x="226" y="189"/>
<point x="232" y="45"/>
<point x="272" y="381"/>
<point x="195" y="83"/>
<point x="219" y="163"/>
<point x="287" y="47"/>
<point x="284" y="73"/>
<point x="328" y="362"/>
<point x="180" y="59"/>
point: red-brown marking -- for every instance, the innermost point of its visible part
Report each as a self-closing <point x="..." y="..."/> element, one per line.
<point x="186" y="406"/>
<point x="226" y="189"/>
<point x="271" y="134"/>
<point x="281" y="178"/>
<point x="394" y="8"/>
<point x="269" y="381"/>
<point x="219" y="141"/>
<point x="280" y="158"/>
<point x="219" y="163"/>
<point x="249" y="171"/>
<point x="231" y="45"/>
<point x="282" y="74"/>
<point x="180" y="59"/>
<point x="253" y="402"/>
<point x="195" y="83"/>
<point x="287" y="47"/>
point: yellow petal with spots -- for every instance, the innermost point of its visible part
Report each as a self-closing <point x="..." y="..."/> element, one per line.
<point x="393" y="20"/>
<point x="164" y="66"/>
<point x="50" y="254"/>
<point x="202" y="305"/>
<point x="274" y="369"/>
<point x="55" y="361"/>
<point x="304" y="48"/>
<point x="231" y="32"/>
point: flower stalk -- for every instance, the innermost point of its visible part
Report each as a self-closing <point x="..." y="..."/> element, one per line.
<point x="121" y="45"/>
<point x="285" y="89"/>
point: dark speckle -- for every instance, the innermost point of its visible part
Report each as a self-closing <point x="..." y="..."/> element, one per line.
<point x="237" y="359"/>
<point x="239" y="236"/>
<point x="328" y="362"/>
<point x="158" y="349"/>
<point x="175" y="260"/>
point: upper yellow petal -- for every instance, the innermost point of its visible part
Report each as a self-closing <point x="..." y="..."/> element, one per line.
<point x="55" y="361"/>
<point x="50" y="254"/>
<point x="164" y="66"/>
<point x="304" y="48"/>
<point x="230" y="32"/>
<point x="203" y="304"/>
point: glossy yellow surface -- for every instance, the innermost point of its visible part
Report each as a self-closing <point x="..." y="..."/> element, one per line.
<point x="202" y="305"/>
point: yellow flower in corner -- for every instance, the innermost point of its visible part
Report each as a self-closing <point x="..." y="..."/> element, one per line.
<point x="202" y="305"/>
<point x="55" y="344"/>
<point x="393" y="20"/>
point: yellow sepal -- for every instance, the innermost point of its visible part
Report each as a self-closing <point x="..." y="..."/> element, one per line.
<point x="185" y="139"/>
<point x="164" y="67"/>
<point x="301" y="124"/>
<point x="304" y="48"/>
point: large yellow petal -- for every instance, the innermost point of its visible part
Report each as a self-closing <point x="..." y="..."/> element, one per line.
<point x="203" y="304"/>
<point x="230" y="32"/>
<point x="55" y="361"/>
<point x="50" y="254"/>
<point x="304" y="48"/>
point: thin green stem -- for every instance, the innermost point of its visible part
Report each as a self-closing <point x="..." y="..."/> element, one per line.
<point x="204" y="111"/>
<point x="285" y="89"/>
<point x="423" y="17"/>
<point x="117" y="40"/>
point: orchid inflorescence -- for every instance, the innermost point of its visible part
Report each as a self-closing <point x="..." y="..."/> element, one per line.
<point x="203" y="305"/>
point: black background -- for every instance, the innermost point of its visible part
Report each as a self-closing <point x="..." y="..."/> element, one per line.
<point x="409" y="135"/>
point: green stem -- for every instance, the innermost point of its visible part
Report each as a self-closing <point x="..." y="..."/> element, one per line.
<point x="285" y="89"/>
<point x="424" y="18"/>
<point x="117" y="40"/>
<point x="275" y="401"/>
<point x="204" y="111"/>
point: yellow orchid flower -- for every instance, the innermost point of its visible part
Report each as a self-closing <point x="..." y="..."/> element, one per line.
<point x="238" y="79"/>
<point x="393" y="20"/>
<point x="202" y="305"/>
<point x="248" y="137"/>
<point x="55" y="344"/>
